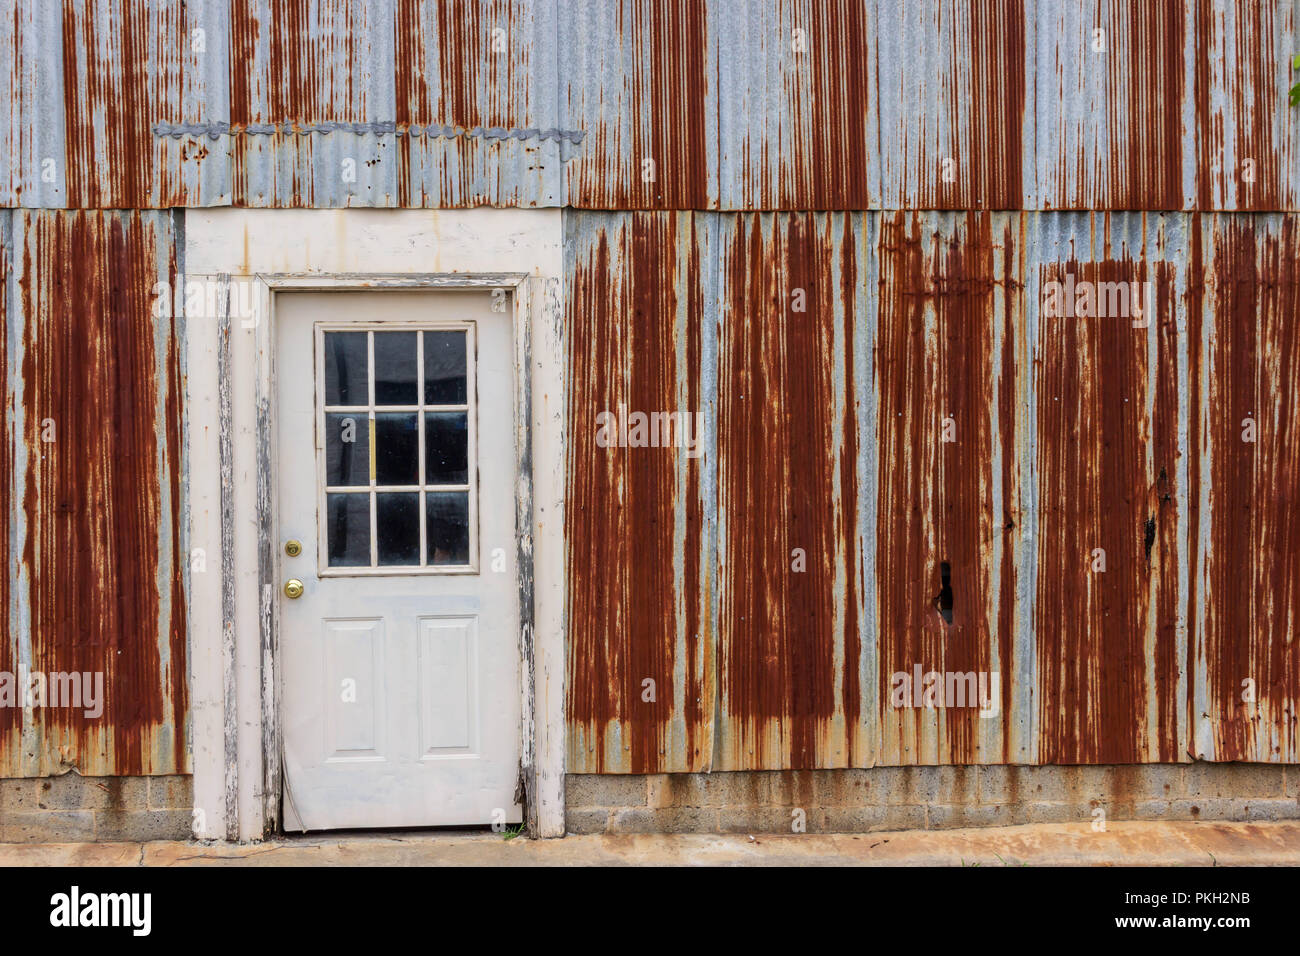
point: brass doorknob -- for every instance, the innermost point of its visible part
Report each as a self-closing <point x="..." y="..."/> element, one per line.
<point x="293" y="588"/>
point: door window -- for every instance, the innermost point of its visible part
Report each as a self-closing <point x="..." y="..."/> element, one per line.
<point x="396" y="449"/>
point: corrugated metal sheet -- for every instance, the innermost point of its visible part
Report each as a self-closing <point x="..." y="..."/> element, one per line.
<point x="1110" y="427"/>
<point x="641" y="615"/>
<point x="1247" y="141"/>
<point x="11" y="718"/>
<point x="796" y="117"/>
<point x="470" y="64"/>
<point x="85" y="85"/>
<point x="956" y="103"/>
<point x="394" y="103"/>
<point x="1245" y="371"/>
<point x="793" y="666"/>
<point x="637" y="79"/>
<point x="300" y="63"/>
<point x="761" y="104"/>
<point x="1115" y="104"/>
<point x="95" y="581"/>
<point x="1108" y="544"/>
<point x="950" y="357"/>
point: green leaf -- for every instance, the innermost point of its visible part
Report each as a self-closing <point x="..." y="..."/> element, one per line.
<point x="1295" y="61"/>
<point x="1295" y="94"/>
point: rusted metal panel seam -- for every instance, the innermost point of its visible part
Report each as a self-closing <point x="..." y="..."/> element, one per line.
<point x="17" y="609"/>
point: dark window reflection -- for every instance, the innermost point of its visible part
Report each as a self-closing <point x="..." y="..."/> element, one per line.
<point x="397" y="522"/>
<point x="348" y="530"/>
<point x="396" y="368"/>
<point x="347" y="448"/>
<point x="444" y="368"/>
<point x="446" y="448"/>
<point x="447" y="513"/>
<point x="345" y="369"/>
<point x="397" y="448"/>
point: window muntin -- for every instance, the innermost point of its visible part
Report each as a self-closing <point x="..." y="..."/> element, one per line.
<point x="396" y="445"/>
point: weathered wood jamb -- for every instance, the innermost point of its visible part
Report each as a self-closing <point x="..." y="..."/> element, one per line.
<point x="268" y="564"/>
<point x="226" y="455"/>
<point x="522" y="335"/>
<point x="549" y="555"/>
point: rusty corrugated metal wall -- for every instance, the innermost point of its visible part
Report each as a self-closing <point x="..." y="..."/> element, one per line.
<point x="651" y="104"/>
<point x="92" y="477"/>
<point x="1245" y="536"/>
<point x="826" y="434"/>
<point x="960" y="156"/>
<point x="637" y="528"/>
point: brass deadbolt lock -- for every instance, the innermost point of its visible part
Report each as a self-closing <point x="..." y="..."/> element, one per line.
<point x="292" y="548"/>
<point x="293" y="588"/>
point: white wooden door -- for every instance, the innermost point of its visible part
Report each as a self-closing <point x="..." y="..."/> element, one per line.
<point x="396" y="473"/>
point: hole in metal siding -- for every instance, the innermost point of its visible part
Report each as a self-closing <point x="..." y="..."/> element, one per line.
<point x="943" y="600"/>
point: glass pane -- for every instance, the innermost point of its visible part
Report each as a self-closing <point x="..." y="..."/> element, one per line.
<point x="348" y="529"/>
<point x="395" y="369"/>
<point x="345" y="368"/>
<point x="444" y="368"/>
<point x="397" y="448"/>
<point x="347" y="448"/>
<point x="397" y="522"/>
<point x="446" y="448"/>
<point x="448" y="530"/>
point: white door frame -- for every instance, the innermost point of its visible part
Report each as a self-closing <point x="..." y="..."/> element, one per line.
<point x="235" y="261"/>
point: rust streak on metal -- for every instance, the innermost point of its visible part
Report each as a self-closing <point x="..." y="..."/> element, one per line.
<point x="777" y="478"/>
<point x="1162" y="510"/>
<point x="245" y="33"/>
<point x="176" y="678"/>
<point x="1106" y="484"/>
<point x="826" y="165"/>
<point x="666" y="84"/>
<point x="1196" y="473"/>
<point x="1253" y="581"/>
<point x="1238" y="163"/>
<point x="10" y="717"/>
<point x="997" y="64"/>
<point x="851" y="693"/>
<point x="696" y="573"/>
<point x="93" y="505"/>
<point x="1007" y="524"/>
<point x="122" y="72"/>
<point x="624" y="598"/>
<point x="936" y="528"/>
<point x="1148" y="87"/>
<point x="412" y="92"/>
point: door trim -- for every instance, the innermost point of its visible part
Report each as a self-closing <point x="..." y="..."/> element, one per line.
<point x="230" y="429"/>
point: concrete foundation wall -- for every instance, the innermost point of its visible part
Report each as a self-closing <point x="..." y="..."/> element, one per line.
<point x="76" y="809"/>
<point x="905" y="798"/>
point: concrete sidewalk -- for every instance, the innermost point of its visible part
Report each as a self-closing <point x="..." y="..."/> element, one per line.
<point x="1123" y="844"/>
